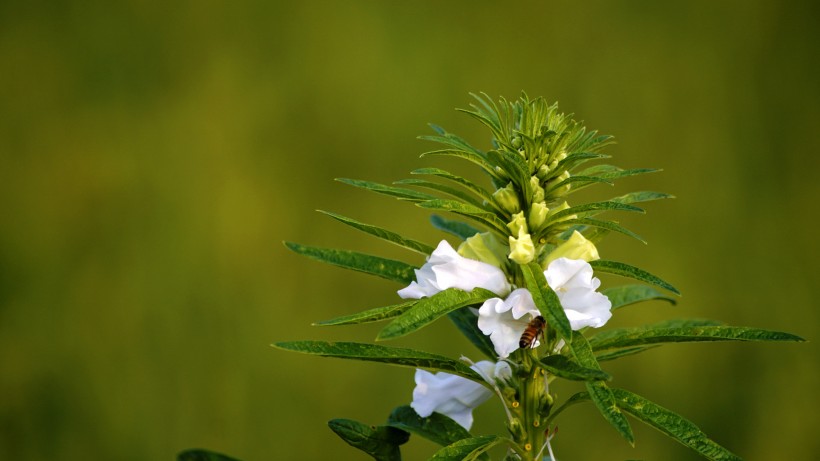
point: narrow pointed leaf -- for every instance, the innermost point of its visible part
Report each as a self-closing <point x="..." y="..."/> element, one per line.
<point x="546" y="300"/>
<point x="616" y="354"/>
<point x="485" y="217"/>
<point x="450" y="139"/>
<point x="613" y="172"/>
<point x="383" y="234"/>
<point x="560" y="365"/>
<point x="389" y="269"/>
<point x="467" y="323"/>
<point x="609" y="225"/>
<point x="599" y="392"/>
<point x="428" y="310"/>
<point x="398" y="192"/>
<point x="576" y="398"/>
<point x="673" y="425"/>
<point x="376" y="353"/>
<point x="203" y="455"/>
<point x="466" y="183"/>
<point x="460" y="229"/>
<point x="457" y="193"/>
<point x="628" y="337"/>
<point x="371" y="315"/>
<point x="578" y="180"/>
<point x="467" y="449"/>
<point x="380" y="442"/>
<point x="473" y="157"/>
<point x="630" y="294"/>
<point x="437" y="427"/>
<point x="573" y="160"/>
<point x="595" y="206"/>
<point x="625" y="270"/>
<point x="642" y="196"/>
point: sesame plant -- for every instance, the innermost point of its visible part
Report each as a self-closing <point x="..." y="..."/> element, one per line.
<point x="519" y="283"/>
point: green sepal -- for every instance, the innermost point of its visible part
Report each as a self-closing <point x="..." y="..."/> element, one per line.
<point x="487" y="218"/>
<point x="389" y="269"/>
<point x="397" y="192"/>
<point x="437" y="427"/>
<point x="198" y="454"/>
<point x="561" y="366"/>
<point x="663" y="333"/>
<point x="384" y="234"/>
<point x="460" y="229"/>
<point x="599" y="392"/>
<point x="673" y="425"/>
<point x="467" y="323"/>
<point x="609" y="225"/>
<point x="467" y="449"/>
<point x="380" y="442"/>
<point x="545" y="299"/>
<point x="430" y="309"/>
<point x="371" y="315"/>
<point x="616" y="354"/>
<point x="625" y="270"/>
<point x="630" y="294"/>
<point x="398" y="356"/>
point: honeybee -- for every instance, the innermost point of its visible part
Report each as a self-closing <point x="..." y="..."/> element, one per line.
<point x="534" y="329"/>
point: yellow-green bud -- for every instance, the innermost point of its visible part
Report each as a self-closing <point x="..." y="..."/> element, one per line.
<point x="543" y="171"/>
<point x="537" y="190"/>
<point x="507" y="198"/>
<point x="518" y="224"/>
<point x="538" y="214"/>
<point x="576" y="247"/>
<point x="522" y="249"/>
<point x="516" y="141"/>
<point x="484" y="247"/>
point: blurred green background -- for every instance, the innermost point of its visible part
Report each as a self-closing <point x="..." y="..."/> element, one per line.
<point x="153" y="156"/>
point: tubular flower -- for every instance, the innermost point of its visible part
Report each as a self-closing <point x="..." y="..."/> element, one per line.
<point x="447" y="269"/>
<point x="504" y="321"/>
<point x="451" y="395"/>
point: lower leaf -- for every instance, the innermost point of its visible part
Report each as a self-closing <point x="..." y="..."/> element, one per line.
<point x="380" y="442"/>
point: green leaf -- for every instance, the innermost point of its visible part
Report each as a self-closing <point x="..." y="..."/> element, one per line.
<point x="370" y="315"/>
<point x="203" y="455"/>
<point x="467" y="323"/>
<point x="376" y="353"/>
<point x="583" y="180"/>
<point x="625" y="270"/>
<point x="642" y="196"/>
<point x="630" y="294"/>
<point x="460" y="229"/>
<point x="609" y="225"/>
<point x="389" y="269"/>
<point x="599" y="392"/>
<point x="545" y="299"/>
<point x="578" y="397"/>
<point x="516" y="167"/>
<point x="603" y="357"/>
<point x="595" y="206"/>
<point x="457" y="193"/>
<point x="478" y="159"/>
<point x="560" y="365"/>
<point x="437" y="427"/>
<point x="428" y="310"/>
<point x="383" y="234"/>
<point x="613" y="172"/>
<point x="469" y="185"/>
<point x="467" y="449"/>
<point x="398" y="192"/>
<point x="673" y="425"/>
<point x="654" y="334"/>
<point x="483" y="216"/>
<point x="450" y="139"/>
<point x="380" y="442"/>
<point x="573" y="160"/>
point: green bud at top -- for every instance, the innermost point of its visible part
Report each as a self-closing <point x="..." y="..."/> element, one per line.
<point x="543" y="171"/>
<point x="516" y="142"/>
<point x="538" y="215"/>
<point x="518" y="224"/>
<point x="507" y="198"/>
<point x="484" y="247"/>
<point x="576" y="247"/>
<point x="537" y="190"/>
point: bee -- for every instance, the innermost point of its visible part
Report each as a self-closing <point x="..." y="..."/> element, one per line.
<point x="534" y="329"/>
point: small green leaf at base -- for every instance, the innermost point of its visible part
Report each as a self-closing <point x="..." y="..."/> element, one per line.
<point x="203" y="455"/>
<point x="467" y="449"/>
<point x="673" y="425"/>
<point x="467" y="323"/>
<point x="563" y="367"/>
<point x="380" y="442"/>
<point x="437" y="427"/>
<point x="460" y="229"/>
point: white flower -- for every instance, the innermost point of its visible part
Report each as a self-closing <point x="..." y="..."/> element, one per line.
<point x="451" y="395"/>
<point x="447" y="269"/>
<point x="504" y="321"/>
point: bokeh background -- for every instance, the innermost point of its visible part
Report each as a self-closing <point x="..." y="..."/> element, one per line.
<point x="154" y="155"/>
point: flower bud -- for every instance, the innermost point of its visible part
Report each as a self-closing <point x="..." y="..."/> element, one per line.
<point x="484" y="247"/>
<point x="537" y="190"/>
<point x="576" y="247"/>
<point x="538" y="214"/>
<point x="507" y="198"/>
<point x="543" y="171"/>
<point x="522" y="249"/>
<point x="518" y="224"/>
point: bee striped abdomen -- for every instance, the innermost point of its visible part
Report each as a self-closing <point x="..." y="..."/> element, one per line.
<point x="531" y="333"/>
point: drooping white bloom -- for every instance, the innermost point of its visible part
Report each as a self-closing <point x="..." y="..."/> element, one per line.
<point x="447" y="269"/>
<point x="504" y="321"/>
<point x="451" y="395"/>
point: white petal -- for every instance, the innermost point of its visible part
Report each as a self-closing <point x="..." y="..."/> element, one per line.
<point x="575" y="286"/>
<point x="449" y="395"/>
<point x="496" y="320"/>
